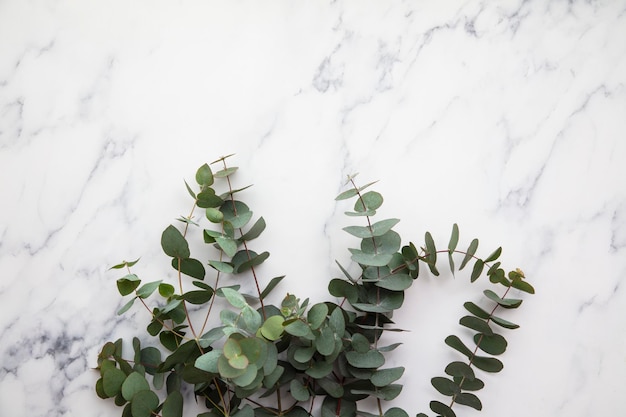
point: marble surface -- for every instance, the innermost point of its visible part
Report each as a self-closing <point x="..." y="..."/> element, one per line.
<point x="507" y="117"/>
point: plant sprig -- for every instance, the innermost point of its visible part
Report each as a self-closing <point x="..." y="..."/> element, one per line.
<point x="251" y="358"/>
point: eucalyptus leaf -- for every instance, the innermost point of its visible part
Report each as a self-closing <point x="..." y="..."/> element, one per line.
<point x="469" y="254"/>
<point x="134" y="383"/>
<point x="128" y="284"/>
<point x="126" y="306"/>
<point x="270" y="286"/>
<point x="112" y="381"/>
<point x="441" y="409"/>
<point x="454" y="238"/>
<point x="174" y="244"/>
<point x="298" y="391"/>
<point x="173" y="405"/>
<point x="470" y="400"/>
<point x="445" y="386"/>
<point x="477" y="270"/>
<point x="494" y="344"/>
<point x="494" y="255"/>
<point x="504" y="302"/>
<point x="204" y="176"/>
<point x="383" y="377"/>
<point x="144" y="403"/>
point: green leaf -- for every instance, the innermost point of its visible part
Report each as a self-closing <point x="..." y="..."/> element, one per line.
<point x="396" y="412"/>
<point x="494" y="255"/>
<point x="487" y="364"/>
<point x="477" y="270"/>
<point x="234" y="297"/>
<point x="174" y="244"/>
<point x="359" y="231"/>
<point x="477" y="311"/>
<point x="255" y="231"/>
<point x="470" y="253"/>
<point x="214" y="215"/>
<point x="470" y="400"/>
<point x="146" y="290"/>
<point x="189" y="266"/>
<point x="332" y="388"/>
<point x="331" y="408"/>
<point x="126" y="306"/>
<point x="430" y="249"/>
<point x="128" y="284"/>
<point x="298" y="328"/>
<point x="320" y="369"/>
<point x="112" y="381"/>
<point x="389" y="301"/>
<point x="150" y="358"/>
<point x="208" y="199"/>
<point x="370" y="359"/>
<point x="166" y="290"/>
<point x="208" y="361"/>
<point x="225" y="172"/>
<point x="396" y="282"/>
<point x="204" y="175"/>
<point x="493" y="344"/>
<point x="454" y="238"/>
<point x="236" y="213"/>
<point x="198" y="297"/>
<point x="212" y="336"/>
<point x="370" y="259"/>
<point x="125" y="264"/>
<point x="270" y="286"/>
<point x="504" y="323"/>
<point x="272" y="328"/>
<point x="316" y="315"/>
<point x="383" y="377"/>
<point x="441" y="409"/>
<point x="476" y="324"/>
<point x="325" y="341"/>
<point x="144" y="404"/>
<point x="383" y="226"/>
<point x="445" y="386"/>
<point x="388" y="243"/>
<point x="337" y="321"/>
<point x="347" y="194"/>
<point x="227" y="370"/>
<point x="469" y="385"/>
<point x="134" y="383"/>
<point x="451" y="263"/>
<point x="460" y="369"/>
<point x="522" y="286"/>
<point x="369" y="201"/>
<point x="298" y="391"/>
<point x="190" y="191"/>
<point x="227" y="244"/>
<point x="173" y="405"/>
<point x="455" y="343"/>
<point x="504" y="302"/>
<point x="247" y="259"/>
<point x="220" y="266"/>
<point x="341" y="288"/>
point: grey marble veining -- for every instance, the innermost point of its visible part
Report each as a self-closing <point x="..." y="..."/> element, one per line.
<point x="508" y="118"/>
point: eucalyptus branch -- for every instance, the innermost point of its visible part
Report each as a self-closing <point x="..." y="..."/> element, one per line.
<point x="309" y="357"/>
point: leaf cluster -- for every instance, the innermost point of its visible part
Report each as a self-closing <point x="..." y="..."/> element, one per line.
<point x="259" y="359"/>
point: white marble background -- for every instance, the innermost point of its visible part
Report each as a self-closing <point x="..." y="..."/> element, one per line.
<point x="506" y="117"/>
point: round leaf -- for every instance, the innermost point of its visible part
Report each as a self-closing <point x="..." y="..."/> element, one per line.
<point x="144" y="403"/>
<point x="133" y="384"/>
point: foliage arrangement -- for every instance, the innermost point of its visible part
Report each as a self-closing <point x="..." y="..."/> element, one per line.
<point x="295" y="359"/>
